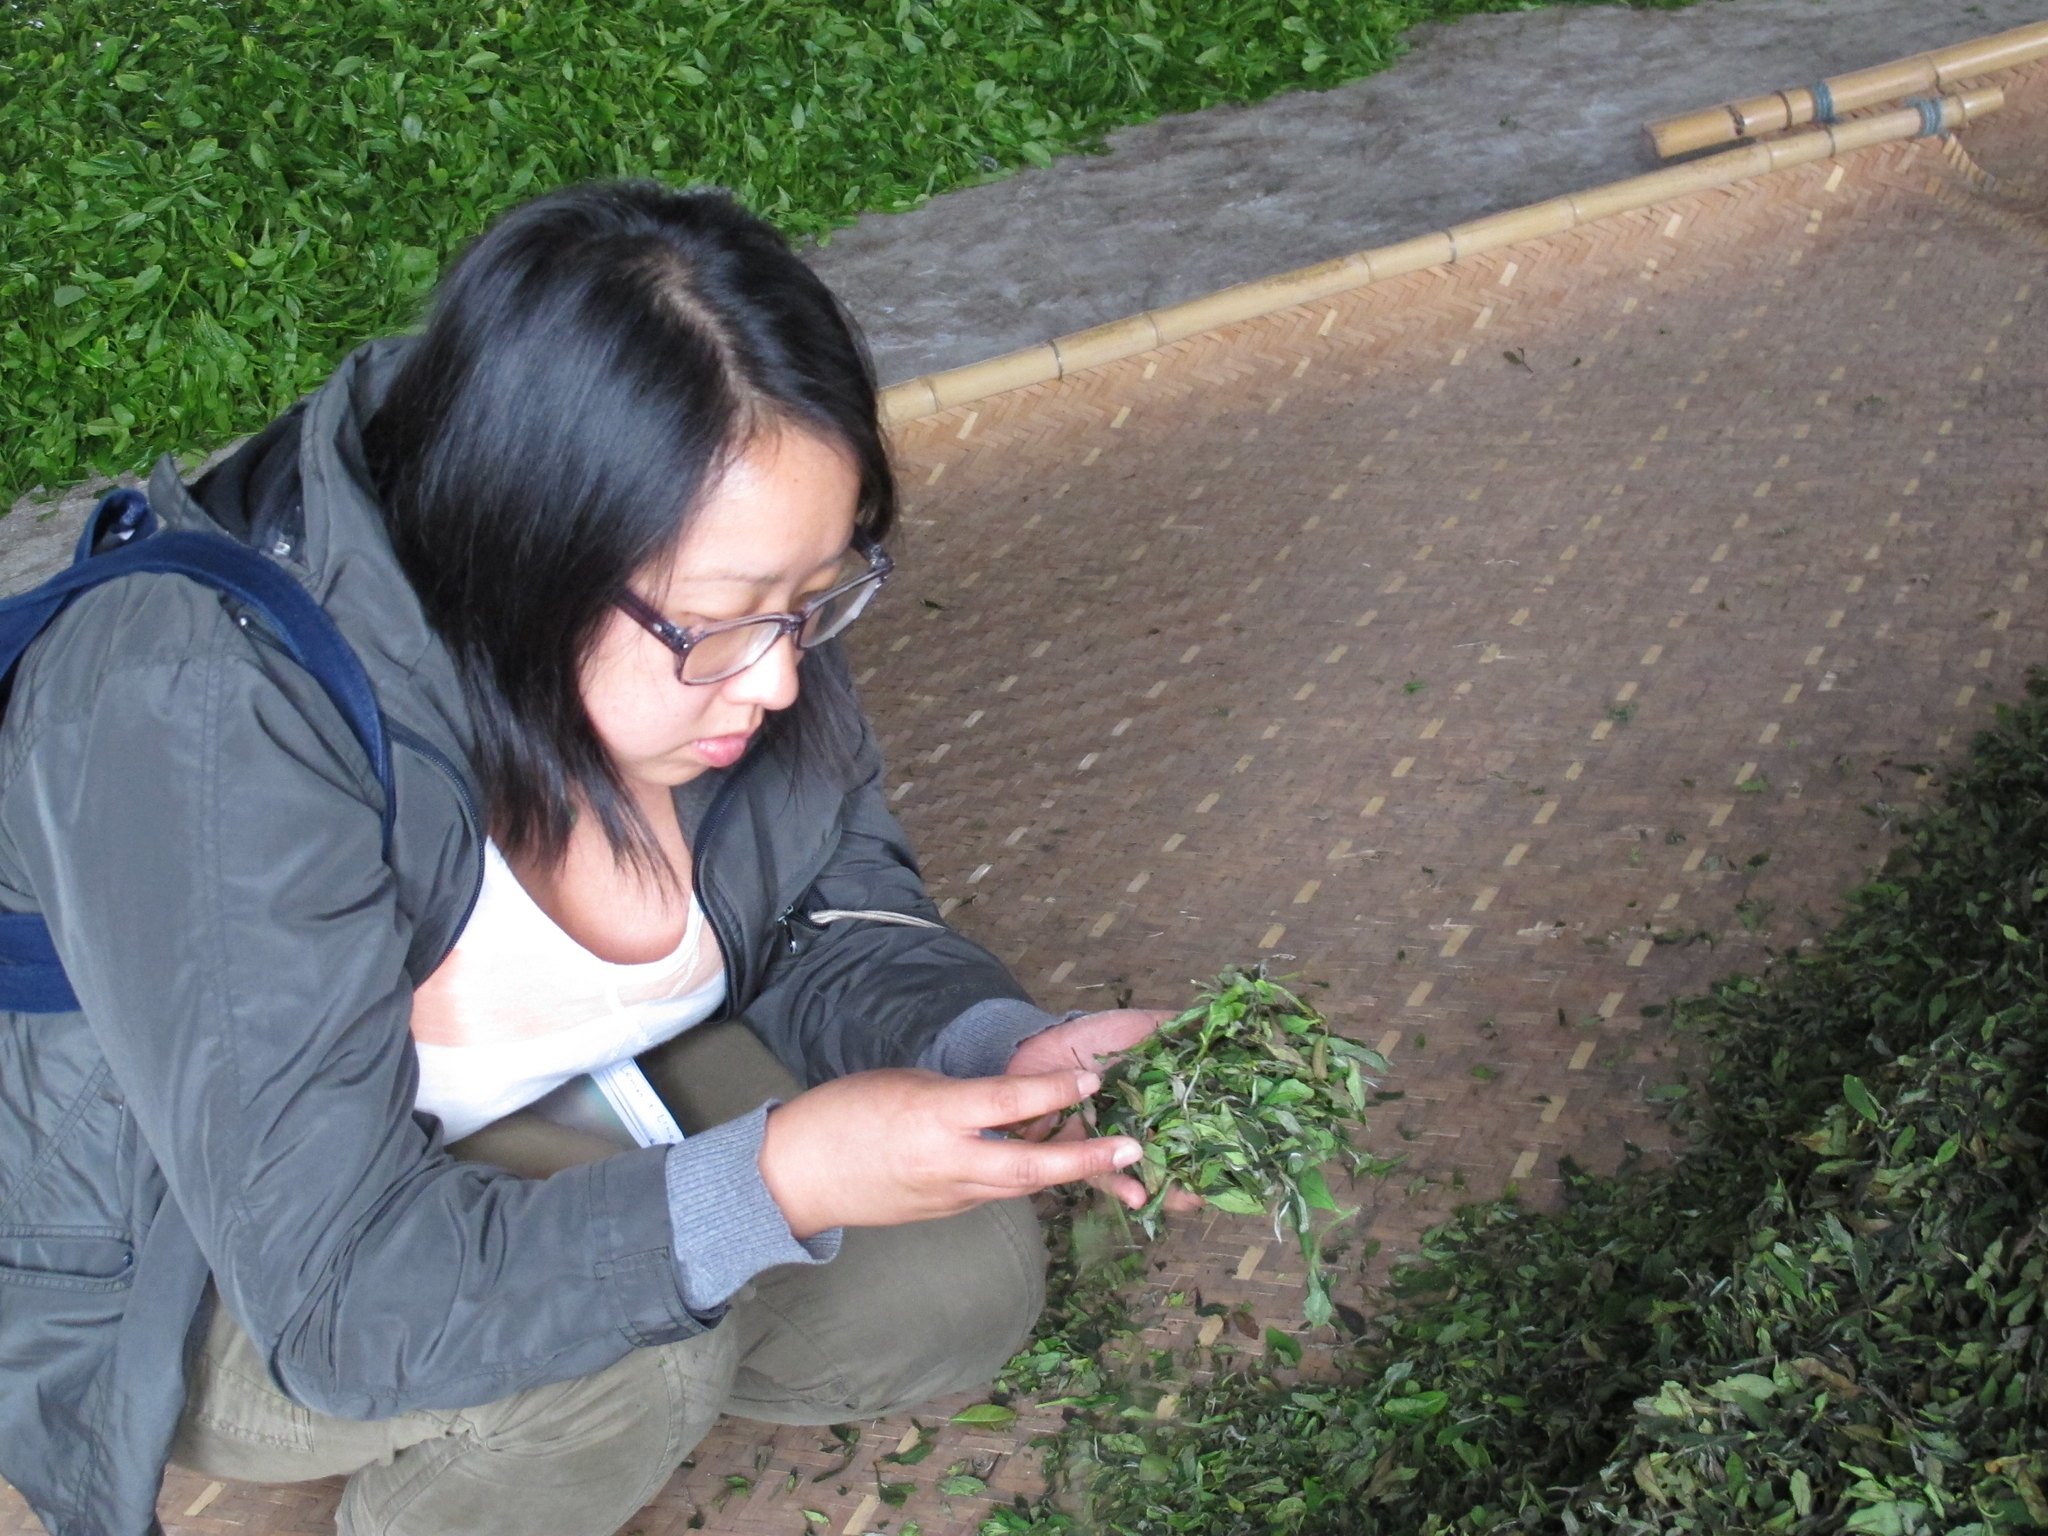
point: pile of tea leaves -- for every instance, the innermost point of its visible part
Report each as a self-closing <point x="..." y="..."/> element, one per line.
<point x="1825" y="1316"/>
<point x="1245" y="1098"/>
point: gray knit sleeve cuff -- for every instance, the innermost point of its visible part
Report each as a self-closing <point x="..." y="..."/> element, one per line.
<point x="979" y="1042"/>
<point x="727" y="1227"/>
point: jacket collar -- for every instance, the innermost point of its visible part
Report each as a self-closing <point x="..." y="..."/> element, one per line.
<point x="345" y="557"/>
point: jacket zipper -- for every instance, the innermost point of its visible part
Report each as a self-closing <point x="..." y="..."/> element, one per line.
<point x="721" y="920"/>
<point x="438" y="760"/>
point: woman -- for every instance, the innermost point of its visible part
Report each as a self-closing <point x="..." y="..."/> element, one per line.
<point x="591" y="534"/>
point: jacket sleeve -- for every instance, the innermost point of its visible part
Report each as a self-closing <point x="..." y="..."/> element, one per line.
<point x="858" y="992"/>
<point x="203" y="838"/>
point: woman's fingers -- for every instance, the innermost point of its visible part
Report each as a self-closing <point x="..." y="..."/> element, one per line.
<point x="1025" y="1167"/>
<point x="825" y="1166"/>
<point x="1062" y="1090"/>
<point x="1086" y="1041"/>
<point x="1122" y="1187"/>
<point x="1125" y="1027"/>
<point x="1125" y="1189"/>
<point x="991" y="1103"/>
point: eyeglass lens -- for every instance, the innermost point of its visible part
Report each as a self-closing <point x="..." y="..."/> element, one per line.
<point x="727" y="651"/>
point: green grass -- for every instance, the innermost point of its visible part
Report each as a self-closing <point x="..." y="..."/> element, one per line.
<point x="206" y="205"/>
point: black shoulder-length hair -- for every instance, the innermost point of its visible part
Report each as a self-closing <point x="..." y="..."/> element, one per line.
<point x="587" y="366"/>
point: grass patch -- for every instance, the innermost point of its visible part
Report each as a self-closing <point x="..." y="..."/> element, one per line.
<point x="1825" y="1316"/>
<point x="206" y="206"/>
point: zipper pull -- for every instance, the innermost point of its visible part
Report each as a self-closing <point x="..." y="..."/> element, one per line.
<point x="798" y="926"/>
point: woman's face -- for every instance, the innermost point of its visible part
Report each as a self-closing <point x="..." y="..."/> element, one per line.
<point x="772" y="531"/>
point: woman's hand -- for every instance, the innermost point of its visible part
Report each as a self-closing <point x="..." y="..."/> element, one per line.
<point x="1090" y="1042"/>
<point x="877" y="1149"/>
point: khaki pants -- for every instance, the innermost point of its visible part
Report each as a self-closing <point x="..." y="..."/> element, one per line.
<point x="901" y="1315"/>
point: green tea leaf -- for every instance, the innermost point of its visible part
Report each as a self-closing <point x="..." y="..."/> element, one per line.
<point x="1412" y="1410"/>
<point x="1747" y="1385"/>
<point x="989" y="1415"/>
<point x="1802" y="1493"/>
<point x="1237" y="1202"/>
<point x="923" y="1447"/>
<point x="1891" y="1518"/>
<point x="1315" y="1190"/>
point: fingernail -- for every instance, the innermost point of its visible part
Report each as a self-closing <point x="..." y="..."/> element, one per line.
<point x="1089" y="1083"/>
<point x="1128" y="1154"/>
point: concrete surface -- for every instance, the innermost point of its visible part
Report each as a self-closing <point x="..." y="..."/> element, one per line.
<point x="1485" y="113"/>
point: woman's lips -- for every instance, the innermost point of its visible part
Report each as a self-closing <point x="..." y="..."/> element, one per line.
<point x="722" y="751"/>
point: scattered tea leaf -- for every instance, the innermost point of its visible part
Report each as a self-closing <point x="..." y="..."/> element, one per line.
<point x="986" y="1415"/>
<point x="918" y="1450"/>
<point x="1859" y="1098"/>
<point x="1283" y="1346"/>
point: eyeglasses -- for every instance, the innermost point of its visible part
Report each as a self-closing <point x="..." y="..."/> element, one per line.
<point x="715" y="652"/>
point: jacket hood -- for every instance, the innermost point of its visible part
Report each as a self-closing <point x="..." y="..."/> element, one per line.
<point x="343" y="554"/>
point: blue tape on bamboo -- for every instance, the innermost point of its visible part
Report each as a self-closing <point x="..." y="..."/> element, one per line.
<point x="1930" y="109"/>
<point x="1823" y="103"/>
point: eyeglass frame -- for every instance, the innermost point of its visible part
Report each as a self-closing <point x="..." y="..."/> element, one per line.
<point x="682" y="641"/>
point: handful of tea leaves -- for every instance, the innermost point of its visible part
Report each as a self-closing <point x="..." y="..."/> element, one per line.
<point x="1244" y="1099"/>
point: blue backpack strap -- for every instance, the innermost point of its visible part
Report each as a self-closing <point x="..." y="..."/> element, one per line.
<point x="31" y="978"/>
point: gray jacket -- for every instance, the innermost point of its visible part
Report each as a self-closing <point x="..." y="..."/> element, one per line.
<point x="234" y="1098"/>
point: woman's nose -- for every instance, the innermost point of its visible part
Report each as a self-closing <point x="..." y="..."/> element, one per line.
<point x="771" y="682"/>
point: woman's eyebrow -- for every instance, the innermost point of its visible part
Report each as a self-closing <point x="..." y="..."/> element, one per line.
<point x="756" y="578"/>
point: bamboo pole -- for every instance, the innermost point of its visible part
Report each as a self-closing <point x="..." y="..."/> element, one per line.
<point x="1802" y="148"/>
<point x="1906" y="122"/>
<point x="1532" y="222"/>
<point x="1939" y="70"/>
<point x="1106" y="343"/>
<point x="998" y="375"/>
<point x="1267" y="296"/>
<point x="1679" y="181"/>
<point x="2008" y="50"/>
<point x="912" y="400"/>
<point x="1410" y="256"/>
<point x="932" y="393"/>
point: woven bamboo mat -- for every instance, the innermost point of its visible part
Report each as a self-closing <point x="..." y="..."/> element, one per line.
<point x="1509" y="647"/>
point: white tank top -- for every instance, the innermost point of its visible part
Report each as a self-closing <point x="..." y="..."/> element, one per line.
<point x="519" y="1008"/>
